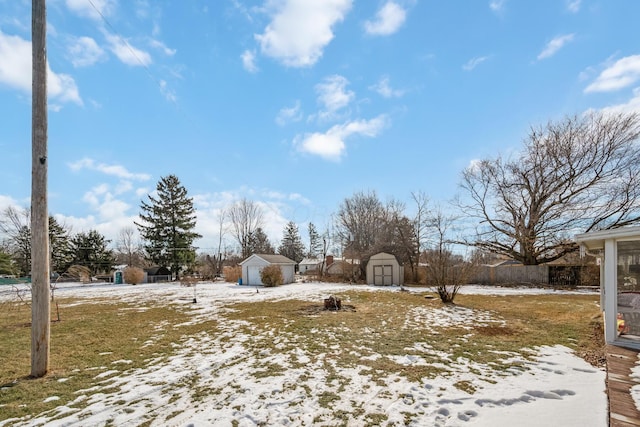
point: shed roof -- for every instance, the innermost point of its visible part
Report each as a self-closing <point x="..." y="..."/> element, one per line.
<point x="272" y="259"/>
<point x="157" y="271"/>
<point x="310" y="261"/>
<point x="383" y="255"/>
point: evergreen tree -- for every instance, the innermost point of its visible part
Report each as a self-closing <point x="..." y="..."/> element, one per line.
<point x="21" y="245"/>
<point x="291" y="245"/>
<point x="167" y="224"/>
<point x="7" y="266"/>
<point x="90" y="250"/>
<point x="16" y="225"/>
<point x="315" y="242"/>
<point x="59" y="245"/>
<point x="259" y="243"/>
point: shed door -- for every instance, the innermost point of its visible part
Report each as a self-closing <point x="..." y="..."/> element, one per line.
<point x="383" y="275"/>
<point x="253" y="275"/>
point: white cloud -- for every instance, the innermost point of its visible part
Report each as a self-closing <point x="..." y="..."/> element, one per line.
<point x="142" y="9"/>
<point x="289" y="114"/>
<point x="243" y="10"/>
<point x="474" y="165"/>
<point x="333" y="95"/>
<point x="249" y="61"/>
<point x="300" y="30"/>
<point x="474" y="62"/>
<point x="92" y="9"/>
<point x="384" y="89"/>
<point x="167" y="92"/>
<point x="573" y="6"/>
<point x="157" y="44"/>
<point x="123" y="186"/>
<point x="118" y="171"/>
<point x="497" y="5"/>
<point x="624" y="72"/>
<point x="111" y="214"/>
<point x="8" y="202"/>
<point x="84" y="52"/>
<point x="331" y="144"/>
<point x="15" y="62"/>
<point x="555" y="45"/>
<point x="142" y="191"/>
<point x="278" y="208"/>
<point x="387" y="21"/>
<point x="126" y="52"/>
<point x="632" y="106"/>
<point x="62" y="87"/>
<point x="15" y="71"/>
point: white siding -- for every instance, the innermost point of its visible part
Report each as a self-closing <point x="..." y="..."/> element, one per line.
<point x="252" y="266"/>
<point x="384" y="269"/>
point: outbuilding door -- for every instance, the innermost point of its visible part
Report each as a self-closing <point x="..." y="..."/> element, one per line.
<point x="383" y="275"/>
<point x="253" y="275"/>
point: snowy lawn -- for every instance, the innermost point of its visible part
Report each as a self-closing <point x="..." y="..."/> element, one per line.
<point x="148" y="355"/>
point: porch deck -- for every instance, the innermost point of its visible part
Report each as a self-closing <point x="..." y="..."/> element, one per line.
<point x="622" y="409"/>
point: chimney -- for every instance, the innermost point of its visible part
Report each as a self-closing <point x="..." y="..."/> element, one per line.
<point x="329" y="260"/>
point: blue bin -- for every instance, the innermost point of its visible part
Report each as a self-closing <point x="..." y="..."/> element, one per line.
<point x="240" y="281"/>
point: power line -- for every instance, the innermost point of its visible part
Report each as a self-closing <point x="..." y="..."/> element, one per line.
<point x="158" y="83"/>
<point x="126" y="43"/>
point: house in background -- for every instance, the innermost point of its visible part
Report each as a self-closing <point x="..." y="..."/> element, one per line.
<point x="338" y="268"/>
<point x="252" y="266"/>
<point x="383" y="269"/>
<point x="309" y="265"/>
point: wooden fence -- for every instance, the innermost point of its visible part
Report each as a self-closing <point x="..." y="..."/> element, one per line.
<point x="554" y="275"/>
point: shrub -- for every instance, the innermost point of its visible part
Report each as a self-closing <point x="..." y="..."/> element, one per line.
<point x="271" y="276"/>
<point x="78" y="272"/>
<point x="232" y="274"/>
<point x="188" y="281"/>
<point x="133" y="275"/>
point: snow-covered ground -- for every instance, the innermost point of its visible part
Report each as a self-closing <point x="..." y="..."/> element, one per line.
<point x="558" y="388"/>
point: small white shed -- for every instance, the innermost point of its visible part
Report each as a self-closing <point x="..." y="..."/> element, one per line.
<point x="252" y="266"/>
<point x="383" y="269"/>
<point x="619" y="253"/>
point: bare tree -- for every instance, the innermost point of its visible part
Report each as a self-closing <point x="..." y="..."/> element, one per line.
<point x="366" y="226"/>
<point x="15" y="225"/>
<point x="246" y="217"/>
<point x="359" y="222"/>
<point x="420" y="227"/>
<point x="129" y="247"/>
<point x="222" y="216"/>
<point x="446" y="270"/>
<point x="575" y="175"/>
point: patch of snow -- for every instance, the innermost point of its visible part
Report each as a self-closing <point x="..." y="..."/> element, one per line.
<point x="556" y="388"/>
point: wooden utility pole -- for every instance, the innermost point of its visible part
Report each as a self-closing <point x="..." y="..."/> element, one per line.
<point x="40" y="305"/>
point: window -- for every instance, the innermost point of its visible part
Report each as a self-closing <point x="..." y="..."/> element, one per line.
<point x="628" y="278"/>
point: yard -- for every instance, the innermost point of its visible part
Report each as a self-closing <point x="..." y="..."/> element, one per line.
<point x="149" y="355"/>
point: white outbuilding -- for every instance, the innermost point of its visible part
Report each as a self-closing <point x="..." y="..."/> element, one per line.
<point x="310" y="265"/>
<point x="383" y="269"/>
<point x="252" y="266"/>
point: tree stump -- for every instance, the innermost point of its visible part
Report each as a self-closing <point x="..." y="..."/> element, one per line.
<point x="332" y="303"/>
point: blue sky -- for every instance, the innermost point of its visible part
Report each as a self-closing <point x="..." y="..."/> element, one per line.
<point x="295" y="104"/>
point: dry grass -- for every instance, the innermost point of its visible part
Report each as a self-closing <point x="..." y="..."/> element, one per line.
<point x="377" y="326"/>
<point x="381" y="325"/>
<point x="90" y="338"/>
